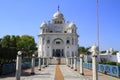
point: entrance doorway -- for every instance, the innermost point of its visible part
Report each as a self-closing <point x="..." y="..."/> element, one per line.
<point x="58" y="53"/>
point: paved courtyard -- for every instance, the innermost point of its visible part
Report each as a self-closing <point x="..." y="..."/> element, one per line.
<point x="63" y="72"/>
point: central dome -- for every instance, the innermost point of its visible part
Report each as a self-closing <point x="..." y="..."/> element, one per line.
<point x="58" y="15"/>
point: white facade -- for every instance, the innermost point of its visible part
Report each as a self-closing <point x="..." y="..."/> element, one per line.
<point x="105" y="56"/>
<point x="57" y="38"/>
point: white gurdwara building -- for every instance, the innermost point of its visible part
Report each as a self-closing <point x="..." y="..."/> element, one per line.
<point x="58" y="38"/>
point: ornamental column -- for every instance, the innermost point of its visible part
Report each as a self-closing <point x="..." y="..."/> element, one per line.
<point x="33" y="64"/>
<point x="71" y="60"/>
<point x="94" y="62"/>
<point x="81" y="64"/>
<point x="75" y="65"/>
<point x="18" y="65"/>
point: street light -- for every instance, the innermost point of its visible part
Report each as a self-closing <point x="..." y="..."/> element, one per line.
<point x="19" y="52"/>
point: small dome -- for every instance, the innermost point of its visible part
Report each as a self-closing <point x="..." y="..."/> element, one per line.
<point x="72" y="25"/>
<point x="43" y="24"/>
<point x="58" y="15"/>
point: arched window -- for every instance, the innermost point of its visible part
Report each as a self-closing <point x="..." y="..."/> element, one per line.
<point x="68" y="42"/>
<point x="48" y="41"/>
<point x="65" y="31"/>
<point x="57" y="42"/>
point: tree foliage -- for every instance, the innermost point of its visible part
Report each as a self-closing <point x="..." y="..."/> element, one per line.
<point x="6" y="41"/>
<point x="84" y="50"/>
<point x="115" y="52"/>
<point x="27" y="44"/>
<point x="9" y="45"/>
<point x="13" y="41"/>
<point x="103" y="52"/>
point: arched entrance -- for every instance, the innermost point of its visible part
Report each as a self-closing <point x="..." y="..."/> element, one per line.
<point x="58" y="48"/>
<point x="58" y="53"/>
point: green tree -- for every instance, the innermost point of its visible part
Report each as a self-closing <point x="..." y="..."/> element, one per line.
<point x="6" y="41"/>
<point x="11" y="44"/>
<point x="0" y="43"/>
<point x="103" y="52"/>
<point x="115" y="52"/>
<point x="13" y="41"/>
<point x="83" y="50"/>
<point x="27" y="44"/>
<point x="8" y="50"/>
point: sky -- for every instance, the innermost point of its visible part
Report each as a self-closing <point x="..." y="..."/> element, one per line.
<point x="24" y="17"/>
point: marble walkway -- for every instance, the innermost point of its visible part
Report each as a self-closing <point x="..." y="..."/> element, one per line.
<point x="50" y="73"/>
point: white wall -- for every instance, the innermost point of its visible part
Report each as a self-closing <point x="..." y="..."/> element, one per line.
<point x="118" y="57"/>
<point x="107" y="57"/>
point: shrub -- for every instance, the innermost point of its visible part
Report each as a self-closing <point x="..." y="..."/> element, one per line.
<point x="118" y="64"/>
<point x="111" y="63"/>
<point x="89" y="61"/>
<point x="102" y="62"/>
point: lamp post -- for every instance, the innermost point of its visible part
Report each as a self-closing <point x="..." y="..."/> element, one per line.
<point x="81" y="64"/>
<point x="94" y="62"/>
<point x="33" y="64"/>
<point x="18" y="65"/>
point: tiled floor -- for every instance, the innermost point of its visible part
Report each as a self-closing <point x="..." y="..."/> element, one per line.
<point x="48" y="73"/>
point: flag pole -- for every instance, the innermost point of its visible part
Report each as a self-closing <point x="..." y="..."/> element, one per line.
<point x="98" y="33"/>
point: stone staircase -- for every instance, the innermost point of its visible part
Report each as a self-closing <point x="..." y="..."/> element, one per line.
<point x="55" y="61"/>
